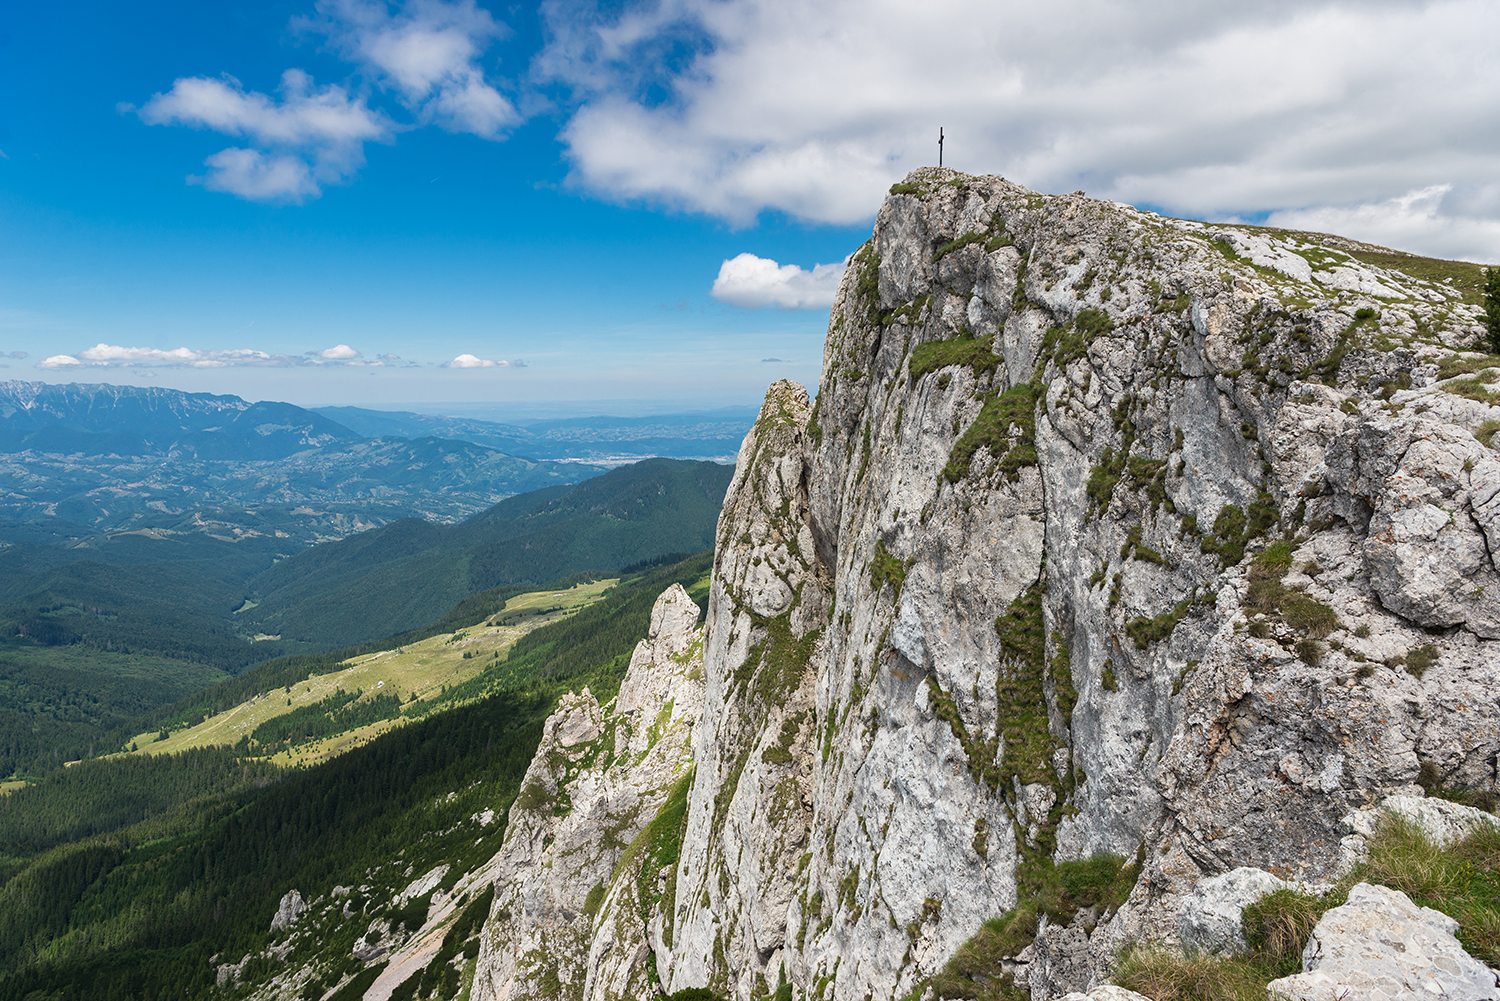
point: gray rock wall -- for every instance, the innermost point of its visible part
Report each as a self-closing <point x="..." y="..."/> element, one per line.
<point x="1106" y="533"/>
<point x="1148" y="705"/>
<point x="567" y="921"/>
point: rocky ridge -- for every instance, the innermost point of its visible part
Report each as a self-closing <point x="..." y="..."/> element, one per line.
<point x="583" y="883"/>
<point x="1116" y="553"/>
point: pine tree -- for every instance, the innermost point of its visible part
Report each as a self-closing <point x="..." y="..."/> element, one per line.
<point x="1492" y="307"/>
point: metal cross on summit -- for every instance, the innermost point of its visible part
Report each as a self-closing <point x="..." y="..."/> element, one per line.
<point x="940" y="146"/>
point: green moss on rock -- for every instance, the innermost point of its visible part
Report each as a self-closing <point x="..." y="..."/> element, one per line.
<point x="1006" y="425"/>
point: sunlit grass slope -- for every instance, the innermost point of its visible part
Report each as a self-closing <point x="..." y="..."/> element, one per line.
<point x="415" y="674"/>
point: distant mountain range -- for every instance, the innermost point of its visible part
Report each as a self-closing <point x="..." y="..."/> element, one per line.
<point x="104" y="420"/>
<point x="99" y="420"/>
<point x="714" y="434"/>
<point x="124" y="458"/>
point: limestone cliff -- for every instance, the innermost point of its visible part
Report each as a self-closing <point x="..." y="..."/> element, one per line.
<point x="594" y="831"/>
<point x="1108" y="537"/>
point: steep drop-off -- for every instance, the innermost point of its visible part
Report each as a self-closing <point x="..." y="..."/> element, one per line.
<point x="1109" y="537"/>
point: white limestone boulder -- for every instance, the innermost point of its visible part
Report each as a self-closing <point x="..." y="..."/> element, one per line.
<point x="1379" y="947"/>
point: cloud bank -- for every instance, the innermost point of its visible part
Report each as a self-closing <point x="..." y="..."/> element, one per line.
<point x="1347" y="115"/>
<point x="1338" y="111"/>
<point x="116" y="356"/>
<point x="752" y="282"/>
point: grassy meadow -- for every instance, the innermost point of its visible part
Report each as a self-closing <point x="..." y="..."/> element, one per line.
<point x="415" y="673"/>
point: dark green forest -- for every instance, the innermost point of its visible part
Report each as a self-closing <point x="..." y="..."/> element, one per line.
<point x="408" y="573"/>
<point x="98" y="630"/>
<point x="185" y="858"/>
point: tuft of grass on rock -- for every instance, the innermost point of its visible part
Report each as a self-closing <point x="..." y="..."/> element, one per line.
<point x="1453" y="365"/>
<point x="1266" y="594"/>
<point x="1462" y="881"/>
<point x="1278" y="924"/>
<point x="1164" y="974"/>
<point x="1058" y="891"/>
<point x="1006" y="426"/>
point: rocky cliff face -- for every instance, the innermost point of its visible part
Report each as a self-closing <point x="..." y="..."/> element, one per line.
<point x="1109" y="537"/>
<point x="587" y="857"/>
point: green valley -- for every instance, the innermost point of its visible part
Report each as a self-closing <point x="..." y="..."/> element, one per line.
<point x="97" y="629"/>
<point x="301" y="723"/>
<point x="210" y="837"/>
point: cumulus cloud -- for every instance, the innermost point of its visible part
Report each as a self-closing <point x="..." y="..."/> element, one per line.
<point x="472" y="361"/>
<point x="310" y="137"/>
<point x="117" y="356"/>
<point x="735" y="107"/>
<point x="428" y="53"/>
<point x="752" y="282"/>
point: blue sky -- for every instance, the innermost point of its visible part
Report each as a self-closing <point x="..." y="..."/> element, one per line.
<point x="328" y="201"/>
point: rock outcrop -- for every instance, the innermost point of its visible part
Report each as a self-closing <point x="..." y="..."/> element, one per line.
<point x="1380" y="945"/>
<point x="1210" y="919"/>
<point x="288" y="911"/>
<point x="1108" y="537"/>
<point x="586" y="859"/>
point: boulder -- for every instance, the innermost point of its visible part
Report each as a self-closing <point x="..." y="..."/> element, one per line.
<point x="1380" y="946"/>
<point x="292" y="906"/>
<point x="1210" y="917"/>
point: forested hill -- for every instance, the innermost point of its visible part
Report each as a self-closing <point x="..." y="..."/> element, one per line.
<point x="409" y="573"/>
<point x="95" y="903"/>
<point x="98" y="629"/>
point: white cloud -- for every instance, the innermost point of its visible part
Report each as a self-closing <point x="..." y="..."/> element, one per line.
<point x="752" y="282"/>
<point x="428" y="52"/>
<point x="311" y="137"/>
<point x="252" y="174"/>
<point x="118" y="356"/>
<point x="734" y="107"/>
<point x="471" y="361"/>
<point x="1420" y="221"/>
